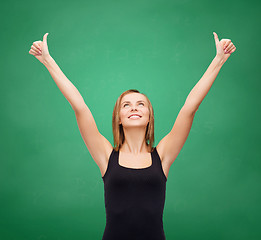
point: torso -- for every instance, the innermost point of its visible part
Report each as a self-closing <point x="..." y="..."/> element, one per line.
<point x="134" y="194"/>
<point x="132" y="161"/>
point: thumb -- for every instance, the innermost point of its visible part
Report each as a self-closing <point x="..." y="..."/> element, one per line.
<point x="216" y="38"/>
<point x="45" y="37"/>
<point x="45" y="47"/>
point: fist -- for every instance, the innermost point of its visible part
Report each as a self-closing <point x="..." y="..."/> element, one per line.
<point x="224" y="48"/>
<point x="228" y="46"/>
<point x="39" y="49"/>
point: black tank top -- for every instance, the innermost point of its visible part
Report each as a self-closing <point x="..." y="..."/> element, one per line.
<point x="134" y="200"/>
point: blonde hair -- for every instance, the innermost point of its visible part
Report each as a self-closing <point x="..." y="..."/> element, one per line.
<point x="118" y="134"/>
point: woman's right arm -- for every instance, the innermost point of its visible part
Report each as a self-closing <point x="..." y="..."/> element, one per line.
<point x="98" y="146"/>
<point x="69" y="91"/>
<point x="39" y="49"/>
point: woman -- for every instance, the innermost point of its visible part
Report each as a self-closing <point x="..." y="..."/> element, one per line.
<point x="134" y="172"/>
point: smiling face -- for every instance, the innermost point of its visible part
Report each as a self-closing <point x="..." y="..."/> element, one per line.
<point x="134" y="104"/>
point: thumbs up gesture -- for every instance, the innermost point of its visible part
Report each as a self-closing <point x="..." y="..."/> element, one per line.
<point x="39" y="49"/>
<point x="224" y="48"/>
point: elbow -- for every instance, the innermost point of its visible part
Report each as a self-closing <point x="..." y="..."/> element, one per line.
<point x="191" y="109"/>
<point x="79" y="108"/>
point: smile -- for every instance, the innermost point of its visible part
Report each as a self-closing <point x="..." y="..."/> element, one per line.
<point x="135" y="117"/>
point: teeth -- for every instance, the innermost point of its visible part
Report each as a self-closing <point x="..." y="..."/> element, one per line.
<point x="134" y="117"/>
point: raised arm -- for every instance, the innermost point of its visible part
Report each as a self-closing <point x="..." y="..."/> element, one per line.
<point x="224" y="49"/>
<point x="170" y="146"/>
<point x="69" y="91"/>
<point x="98" y="146"/>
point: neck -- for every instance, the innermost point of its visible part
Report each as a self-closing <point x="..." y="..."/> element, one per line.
<point x="134" y="142"/>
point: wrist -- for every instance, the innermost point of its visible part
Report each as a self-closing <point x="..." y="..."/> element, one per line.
<point x="47" y="60"/>
<point x="219" y="60"/>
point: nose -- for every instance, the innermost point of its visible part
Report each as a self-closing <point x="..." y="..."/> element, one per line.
<point x="133" y="109"/>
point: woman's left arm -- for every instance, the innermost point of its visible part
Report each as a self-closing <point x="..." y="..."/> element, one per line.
<point x="224" y="49"/>
<point x="170" y="146"/>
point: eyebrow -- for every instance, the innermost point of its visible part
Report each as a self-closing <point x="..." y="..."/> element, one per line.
<point x="129" y="101"/>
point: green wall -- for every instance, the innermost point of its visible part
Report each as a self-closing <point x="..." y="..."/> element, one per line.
<point x="50" y="187"/>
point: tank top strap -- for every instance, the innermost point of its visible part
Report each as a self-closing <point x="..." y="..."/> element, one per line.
<point x="111" y="163"/>
<point x="157" y="162"/>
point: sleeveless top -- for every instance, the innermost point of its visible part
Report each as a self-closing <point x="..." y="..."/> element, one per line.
<point x="134" y="200"/>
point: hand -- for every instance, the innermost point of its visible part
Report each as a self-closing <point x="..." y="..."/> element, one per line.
<point x="224" y="48"/>
<point x="39" y="49"/>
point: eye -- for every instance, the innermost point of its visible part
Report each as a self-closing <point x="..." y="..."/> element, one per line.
<point x="128" y="104"/>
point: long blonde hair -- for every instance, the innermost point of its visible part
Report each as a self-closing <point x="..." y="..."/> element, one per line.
<point x="118" y="134"/>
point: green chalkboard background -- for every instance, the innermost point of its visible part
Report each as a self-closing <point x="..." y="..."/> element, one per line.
<point x="50" y="187"/>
